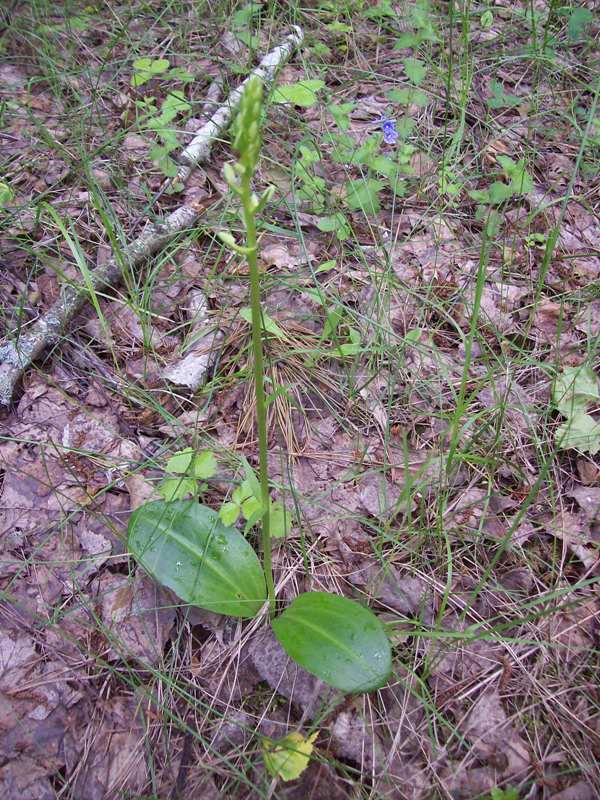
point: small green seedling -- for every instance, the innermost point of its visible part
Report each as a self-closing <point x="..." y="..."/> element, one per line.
<point x="159" y="122"/>
<point x="6" y="194"/>
<point x="144" y="69"/>
<point x="186" y="545"/>
<point x="185" y="469"/>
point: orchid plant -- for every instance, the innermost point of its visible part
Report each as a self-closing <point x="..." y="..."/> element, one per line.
<point x="186" y="546"/>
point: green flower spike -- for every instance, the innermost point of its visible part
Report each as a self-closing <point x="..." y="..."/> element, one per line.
<point x="239" y="177"/>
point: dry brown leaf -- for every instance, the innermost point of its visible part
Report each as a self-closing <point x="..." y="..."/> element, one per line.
<point x="25" y="779"/>
<point x="115" y="758"/>
<point x="493" y="736"/>
<point x="354" y="740"/>
<point x="138" y="615"/>
<point x="581" y="790"/>
<point x="575" y="533"/>
<point x="286" y="678"/>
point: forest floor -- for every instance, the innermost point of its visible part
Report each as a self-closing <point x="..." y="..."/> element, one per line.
<point x="432" y="356"/>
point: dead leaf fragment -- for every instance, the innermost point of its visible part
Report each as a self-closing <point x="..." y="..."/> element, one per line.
<point x="487" y="727"/>
<point x="115" y="762"/>
<point x="138" y="615"/>
<point x="285" y="677"/>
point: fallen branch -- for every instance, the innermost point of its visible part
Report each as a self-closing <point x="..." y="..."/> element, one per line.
<point x="17" y="355"/>
<point x="190" y="371"/>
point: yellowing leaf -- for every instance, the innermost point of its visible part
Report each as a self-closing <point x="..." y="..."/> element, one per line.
<point x="287" y="758"/>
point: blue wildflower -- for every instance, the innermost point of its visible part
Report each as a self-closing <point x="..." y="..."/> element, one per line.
<point x="390" y="134"/>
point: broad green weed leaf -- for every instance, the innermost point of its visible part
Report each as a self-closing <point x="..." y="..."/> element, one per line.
<point x="180" y="74"/>
<point x="579" y="20"/>
<point x="148" y="68"/>
<point x="380" y="11"/>
<point x="287" y="758"/>
<point x="415" y="70"/>
<point x="579" y="432"/>
<point x="504" y="794"/>
<point x="243" y="17"/>
<point x="175" y="102"/>
<point x="251" y="507"/>
<point x="521" y="181"/>
<point x="301" y="93"/>
<point x="341" y="114"/>
<point x="242" y="492"/>
<point x="6" y="194"/>
<point x="252" y="480"/>
<point x="336" y="222"/>
<point x="326" y="266"/>
<point x="574" y="389"/>
<point x="229" y="513"/>
<point x="498" y="192"/>
<point x="204" y="465"/>
<point x="339" y="27"/>
<point x="486" y="20"/>
<point x="410" y="96"/>
<point x="281" y="520"/>
<point x="167" y="166"/>
<point x="179" y="462"/>
<point x="337" y="640"/>
<point x="500" y="99"/>
<point x="186" y="547"/>
<point x="176" y="488"/>
<point x="329" y="224"/>
<point x="362" y="194"/>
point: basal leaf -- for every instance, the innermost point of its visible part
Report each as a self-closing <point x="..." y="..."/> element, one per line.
<point x="337" y="640"/>
<point x="186" y="547"/>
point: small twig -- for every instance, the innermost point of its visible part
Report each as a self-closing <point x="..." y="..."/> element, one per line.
<point x="17" y="355"/>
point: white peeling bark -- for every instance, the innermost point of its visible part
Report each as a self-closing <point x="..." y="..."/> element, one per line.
<point x="199" y="148"/>
<point x="18" y="354"/>
<point x="191" y="370"/>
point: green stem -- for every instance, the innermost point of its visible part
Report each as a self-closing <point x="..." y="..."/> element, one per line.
<point x="261" y="408"/>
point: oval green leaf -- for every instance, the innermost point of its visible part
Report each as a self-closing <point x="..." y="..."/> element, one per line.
<point x="337" y="640"/>
<point x="186" y="547"/>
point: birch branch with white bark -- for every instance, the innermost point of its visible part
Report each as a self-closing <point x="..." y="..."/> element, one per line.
<point x="18" y="354"/>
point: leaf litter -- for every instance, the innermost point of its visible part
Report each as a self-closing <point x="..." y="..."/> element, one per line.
<point x="379" y="506"/>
